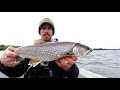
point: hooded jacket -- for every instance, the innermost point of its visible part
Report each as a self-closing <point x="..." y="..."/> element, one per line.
<point x="50" y="71"/>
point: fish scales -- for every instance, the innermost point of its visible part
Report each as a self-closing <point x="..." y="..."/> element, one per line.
<point x="52" y="50"/>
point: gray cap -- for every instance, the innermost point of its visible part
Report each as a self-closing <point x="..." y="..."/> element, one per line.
<point x="46" y="20"/>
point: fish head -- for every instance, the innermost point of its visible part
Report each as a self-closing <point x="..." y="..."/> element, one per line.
<point x="81" y="50"/>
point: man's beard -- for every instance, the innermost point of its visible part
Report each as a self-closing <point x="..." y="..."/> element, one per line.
<point x="47" y="37"/>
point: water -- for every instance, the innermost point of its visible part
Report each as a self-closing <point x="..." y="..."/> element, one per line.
<point x="103" y="62"/>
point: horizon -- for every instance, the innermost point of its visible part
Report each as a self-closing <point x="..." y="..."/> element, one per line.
<point x="92" y="48"/>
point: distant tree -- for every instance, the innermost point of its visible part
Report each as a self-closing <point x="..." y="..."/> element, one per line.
<point x="3" y="47"/>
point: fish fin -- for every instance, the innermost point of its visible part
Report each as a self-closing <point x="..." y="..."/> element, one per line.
<point x="34" y="62"/>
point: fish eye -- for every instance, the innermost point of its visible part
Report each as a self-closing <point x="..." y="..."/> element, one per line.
<point x="87" y="48"/>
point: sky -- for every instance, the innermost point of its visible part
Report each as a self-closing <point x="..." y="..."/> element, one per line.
<point x="94" y="29"/>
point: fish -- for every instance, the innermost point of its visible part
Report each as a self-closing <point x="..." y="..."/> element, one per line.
<point x="51" y="51"/>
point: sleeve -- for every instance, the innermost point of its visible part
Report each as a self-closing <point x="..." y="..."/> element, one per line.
<point x="73" y="72"/>
<point x="16" y="71"/>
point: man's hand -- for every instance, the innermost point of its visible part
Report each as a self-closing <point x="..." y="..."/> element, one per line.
<point x="66" y="62"/>
<point x="8" y="59"/>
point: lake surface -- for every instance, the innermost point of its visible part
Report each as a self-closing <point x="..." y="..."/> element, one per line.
<point x="103" y="62"/>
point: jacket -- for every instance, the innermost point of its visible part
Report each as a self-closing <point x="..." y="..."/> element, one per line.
<point x="50" y="71"/>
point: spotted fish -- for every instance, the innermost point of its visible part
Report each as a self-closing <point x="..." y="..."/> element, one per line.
<point x="51" y="51"/>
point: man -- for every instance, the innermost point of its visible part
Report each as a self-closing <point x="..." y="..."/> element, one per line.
<point x="62" y="68"/>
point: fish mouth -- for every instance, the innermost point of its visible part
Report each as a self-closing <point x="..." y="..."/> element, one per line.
<point x="89" y="51"/>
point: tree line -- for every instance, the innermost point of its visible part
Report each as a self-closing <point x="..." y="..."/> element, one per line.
<point x="3" y="47"/>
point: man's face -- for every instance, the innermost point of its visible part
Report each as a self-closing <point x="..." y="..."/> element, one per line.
<point x="46" y="32"/>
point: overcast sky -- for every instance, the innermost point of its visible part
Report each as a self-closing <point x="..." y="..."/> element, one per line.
<point x="94" y="29"/>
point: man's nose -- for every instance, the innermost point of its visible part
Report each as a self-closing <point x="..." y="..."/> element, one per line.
<point x="46" y="29"/>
